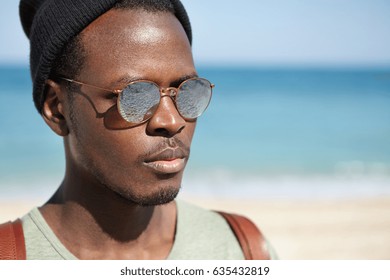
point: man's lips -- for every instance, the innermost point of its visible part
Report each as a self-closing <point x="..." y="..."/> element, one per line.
<point x="168" y="161"/>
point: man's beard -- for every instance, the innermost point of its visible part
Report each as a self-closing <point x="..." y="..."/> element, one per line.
<point x="163" y="195"/>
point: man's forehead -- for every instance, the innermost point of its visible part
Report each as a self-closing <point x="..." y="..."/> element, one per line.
<point x="134" y="45"/>
<point x="141" y="25"/>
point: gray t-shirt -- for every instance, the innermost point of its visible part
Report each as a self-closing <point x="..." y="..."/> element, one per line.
<point x="200" y="234"/>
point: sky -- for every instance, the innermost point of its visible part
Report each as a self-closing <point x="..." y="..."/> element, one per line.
<point x="263" y="32"/>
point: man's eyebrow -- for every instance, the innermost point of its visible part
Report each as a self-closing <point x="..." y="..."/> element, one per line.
<point x="124" y="80"/>
<point x="129" y="79"/>
<point x="177" y="82"/>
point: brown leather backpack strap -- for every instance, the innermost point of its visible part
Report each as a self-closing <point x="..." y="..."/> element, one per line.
<point x="12" y="245"/>
<point x="252" y="241"/>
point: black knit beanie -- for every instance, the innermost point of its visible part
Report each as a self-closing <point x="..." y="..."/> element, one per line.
<point x="51" y="24"/>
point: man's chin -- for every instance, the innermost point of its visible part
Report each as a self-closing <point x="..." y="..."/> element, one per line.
<point x="161" y="196"/>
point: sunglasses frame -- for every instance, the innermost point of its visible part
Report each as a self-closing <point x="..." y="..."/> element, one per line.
<point x="171" y="92"/>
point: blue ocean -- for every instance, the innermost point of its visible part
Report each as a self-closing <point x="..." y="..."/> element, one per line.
<point x="268" y="133"/>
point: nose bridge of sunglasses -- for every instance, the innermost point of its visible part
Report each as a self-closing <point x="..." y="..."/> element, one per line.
<point x="170" y="91"/>
<point x="169" y="104"/>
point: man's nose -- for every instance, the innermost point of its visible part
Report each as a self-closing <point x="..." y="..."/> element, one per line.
<point x="166" y="120"/>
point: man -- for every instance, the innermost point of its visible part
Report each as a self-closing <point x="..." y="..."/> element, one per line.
<point x="116" y="80"/>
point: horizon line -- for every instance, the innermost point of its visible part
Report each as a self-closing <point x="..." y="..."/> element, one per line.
<point x="341" y="66"/>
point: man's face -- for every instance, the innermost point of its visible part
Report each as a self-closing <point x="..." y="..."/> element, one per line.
<point x="143" y="163"/>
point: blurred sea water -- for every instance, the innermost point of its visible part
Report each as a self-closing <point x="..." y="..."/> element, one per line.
<point x="267" y="133"/>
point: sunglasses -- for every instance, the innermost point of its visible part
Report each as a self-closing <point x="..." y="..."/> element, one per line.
<point x="138" y="101"/>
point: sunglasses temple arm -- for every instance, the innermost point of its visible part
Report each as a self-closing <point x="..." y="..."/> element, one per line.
<point x="116" y="91"/>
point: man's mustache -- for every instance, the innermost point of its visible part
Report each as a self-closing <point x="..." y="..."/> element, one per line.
<point x="168" y="148"/>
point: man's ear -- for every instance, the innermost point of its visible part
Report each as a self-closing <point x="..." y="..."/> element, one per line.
<point x="53" y="108"/>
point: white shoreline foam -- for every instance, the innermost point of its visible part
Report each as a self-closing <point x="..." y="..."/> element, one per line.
<point x="228" y="185"/>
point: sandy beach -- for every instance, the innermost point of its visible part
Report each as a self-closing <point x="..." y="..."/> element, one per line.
<point x="299" y="229"/>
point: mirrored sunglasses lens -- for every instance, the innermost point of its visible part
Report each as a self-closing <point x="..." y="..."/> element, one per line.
<point x="193" y="98"/>
<point x="138" y="101"/>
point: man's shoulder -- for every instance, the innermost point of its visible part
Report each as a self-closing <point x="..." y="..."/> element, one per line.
<point x="201" y="219"/>
<point x="216" y="230"/>
<point x="186" y="209"/>
<point x="203" y="234"/>
<point x="36" y="238"/>
<point x="41" y="242"/>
